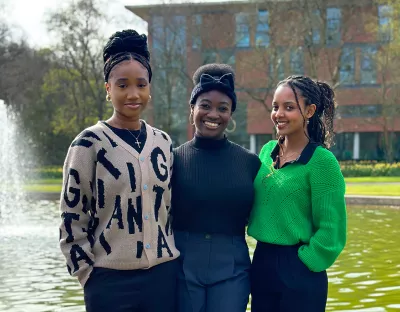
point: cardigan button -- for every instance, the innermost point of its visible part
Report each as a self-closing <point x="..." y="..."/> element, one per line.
<point x="148" y="246"/>
<point x="145" y="187"/>
<point x="141" y="158"/>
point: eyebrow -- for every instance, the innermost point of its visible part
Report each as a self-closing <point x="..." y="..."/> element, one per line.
<point x="287" y="102"/>
<point x="126" y="79"/>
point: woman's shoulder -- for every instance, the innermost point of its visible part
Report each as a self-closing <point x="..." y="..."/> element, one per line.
<point x="267" y="149"/>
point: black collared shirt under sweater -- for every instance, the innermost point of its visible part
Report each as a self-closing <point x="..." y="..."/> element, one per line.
<point x="212" y="186"/>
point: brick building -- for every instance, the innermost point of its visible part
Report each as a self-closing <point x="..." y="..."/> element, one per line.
<point x="265" y="41"/>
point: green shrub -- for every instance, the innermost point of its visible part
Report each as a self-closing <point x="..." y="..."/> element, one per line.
<point x="369" y="169"/>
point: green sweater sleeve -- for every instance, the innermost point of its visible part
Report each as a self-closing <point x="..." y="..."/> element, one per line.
<point x="328" y="214"/>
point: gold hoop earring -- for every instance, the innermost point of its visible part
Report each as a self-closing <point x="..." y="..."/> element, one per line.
<point x="108" y="97"/>
<point x="191" y="121"/>
<point x="234" y="126"/>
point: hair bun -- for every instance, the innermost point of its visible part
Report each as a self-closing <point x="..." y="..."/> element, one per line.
<point x="126" y="41"/>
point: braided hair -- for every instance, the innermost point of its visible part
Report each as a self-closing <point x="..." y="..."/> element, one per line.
<point x="123" y="46"/>
<point x="320" y="127"/>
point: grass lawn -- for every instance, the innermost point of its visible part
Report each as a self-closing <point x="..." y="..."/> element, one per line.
<point x="355" y="186"/>
<point x="373" y="189"/>
<point x="372" y="179"/>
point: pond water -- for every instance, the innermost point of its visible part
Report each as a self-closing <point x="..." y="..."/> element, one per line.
<point x="33" y="276"/>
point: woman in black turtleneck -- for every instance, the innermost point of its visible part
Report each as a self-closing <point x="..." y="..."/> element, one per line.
<point x="212" y="195"/>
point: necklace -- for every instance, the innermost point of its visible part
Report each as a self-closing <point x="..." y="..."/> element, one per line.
<point x="281" y="156"/>
<point x="136" y="138"/>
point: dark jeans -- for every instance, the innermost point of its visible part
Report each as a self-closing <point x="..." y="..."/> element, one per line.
<point x="152" y="290"/>
<point x="214" y="272"/>
<point x="281" y="282"/>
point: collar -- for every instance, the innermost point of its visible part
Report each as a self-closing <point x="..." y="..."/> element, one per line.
<point x="208" y="143"/>
<point x="304" y="157"/>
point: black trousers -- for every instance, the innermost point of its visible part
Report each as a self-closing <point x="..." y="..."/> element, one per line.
<point x="281" y="282"/>
<point x="152" y="290"/>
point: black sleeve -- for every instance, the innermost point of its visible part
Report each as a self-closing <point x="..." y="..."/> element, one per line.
<point x="255" y="166"/>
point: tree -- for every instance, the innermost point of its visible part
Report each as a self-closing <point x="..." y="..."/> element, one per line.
<point x="79" y="52"/>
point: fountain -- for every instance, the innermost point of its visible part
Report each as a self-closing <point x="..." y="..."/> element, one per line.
<point x="11" y="177"/>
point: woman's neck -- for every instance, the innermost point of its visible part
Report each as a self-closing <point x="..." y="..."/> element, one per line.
<point x="295" y="143"/>
<point x="122" y="122"/>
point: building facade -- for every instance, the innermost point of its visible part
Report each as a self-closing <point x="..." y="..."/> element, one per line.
<point x="265" y="41"/>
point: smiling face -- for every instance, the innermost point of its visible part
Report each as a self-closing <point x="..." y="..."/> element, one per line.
<point x="289" y="117"/>
<point x="211" y="114"/>
<point x="129" y="89"/>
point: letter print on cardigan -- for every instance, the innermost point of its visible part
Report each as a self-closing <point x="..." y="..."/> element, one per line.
<point x="157" y="204"/>
<point x="117" y="214"/>
<point x="168" y="227"/>
<point x="78" y="254"/>
<point x="101" y="157"/>
<point x="162" y="243"/>
<point x="77" y="193"/>
<point x="83" y="142"/>
<point x="132" y="177"/>
<point x="139" y="251"/>
<point x="155" y="131"/>
<point x="113" y="144"/>
<point x="85" y="208"/>
<point x="104" y="243"/>
<point x="135" y="215"/>
<point x="68" y="217"/>
<point x="100" y="189"/>
<point x="93" y="223"/>
<point x="154" y="160"/>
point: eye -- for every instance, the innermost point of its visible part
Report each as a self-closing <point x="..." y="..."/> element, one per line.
<point x="122" y="86"/>
<point x="223" y="108"/>
<point x="142" y="85"/>
<point x="204" y="105"/>
<point x="274" y="107"/>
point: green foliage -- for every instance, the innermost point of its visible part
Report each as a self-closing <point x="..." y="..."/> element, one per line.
<point x="370" y="169"/>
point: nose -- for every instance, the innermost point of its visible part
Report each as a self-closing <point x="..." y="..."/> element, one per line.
<point x="213" y="113"/>
<point x="133" y="94"/>
<point x="280" y="112"/>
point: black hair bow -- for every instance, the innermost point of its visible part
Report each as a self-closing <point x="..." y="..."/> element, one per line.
<point x="226" y="80"/>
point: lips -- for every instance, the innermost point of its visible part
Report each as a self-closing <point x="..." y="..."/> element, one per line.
<point x="281" y="124"/>
<point x="133" y="105"/>
<point x="211" y="125"/>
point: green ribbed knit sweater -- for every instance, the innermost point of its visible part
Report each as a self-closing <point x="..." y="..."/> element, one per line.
<point x="301" y="203"/>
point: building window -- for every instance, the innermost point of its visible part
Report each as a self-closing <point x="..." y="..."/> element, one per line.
<point x="360" y="111"/>
<point x="297" y="61"/>
<point x="314" y="35"/>
<point x="333" y="29"/>
<point x="277" y="64"/>
<point x="242" y="30"/>
<point x="347" y="64"/>
<point x="262" y="31"/>
<point x="226" y="56"/>
<point x="368" y="65"/>
<point x="385" y="23"/>
<point x="197" y="21"/>
<point x="158" y="34"/>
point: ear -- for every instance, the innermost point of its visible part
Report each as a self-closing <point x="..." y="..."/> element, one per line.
<point x="310" y="111"/>
<point x="107" y="86"/>
<point x="192" y="107"/>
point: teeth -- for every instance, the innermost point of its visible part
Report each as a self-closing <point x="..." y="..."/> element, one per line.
<point x="211" y="124"/>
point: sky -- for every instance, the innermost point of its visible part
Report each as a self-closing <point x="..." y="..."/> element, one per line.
<point x="27" y="17"/>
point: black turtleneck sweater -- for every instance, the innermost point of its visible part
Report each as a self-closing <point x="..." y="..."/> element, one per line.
<point x="212" y="186"/>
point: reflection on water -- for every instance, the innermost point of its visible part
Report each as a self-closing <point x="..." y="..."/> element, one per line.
<point x="33" y="276"/>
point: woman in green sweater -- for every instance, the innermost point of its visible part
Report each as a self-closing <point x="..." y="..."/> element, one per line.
<point x="299" y="213"/>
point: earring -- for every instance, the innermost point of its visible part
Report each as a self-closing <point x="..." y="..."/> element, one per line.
<point x="234" y="126"/>
<point x="108" y="97"/>
<point x="149" y="97"/>
<point x="308" y="121"/>
<point x="191" y="121"/>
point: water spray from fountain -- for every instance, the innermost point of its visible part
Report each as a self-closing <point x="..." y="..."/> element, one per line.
<point x="11" y="176"/>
